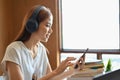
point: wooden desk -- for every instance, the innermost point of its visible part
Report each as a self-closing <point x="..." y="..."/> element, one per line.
<point x="86" y="74"/>
<point x="80" y="78"/>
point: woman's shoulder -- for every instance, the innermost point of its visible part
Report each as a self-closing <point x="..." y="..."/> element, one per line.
<point x="41" y="46"/>
<point x="14" y="44"/>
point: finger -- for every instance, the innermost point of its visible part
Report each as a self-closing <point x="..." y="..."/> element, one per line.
<point x="82" y="61"/>
<point x="82" y="64"/>
<point x="69" y="64"/>
<point x="70" y="59"/>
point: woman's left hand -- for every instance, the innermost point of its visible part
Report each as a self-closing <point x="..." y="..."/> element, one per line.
<point x="80" y="66"/>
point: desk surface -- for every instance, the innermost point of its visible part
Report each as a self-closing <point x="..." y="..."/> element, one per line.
<point x="81" y="78"/>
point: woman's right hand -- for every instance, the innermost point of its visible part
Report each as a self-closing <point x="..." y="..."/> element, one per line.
<point x="64" y="64"/>
<point x="60" y="70"/>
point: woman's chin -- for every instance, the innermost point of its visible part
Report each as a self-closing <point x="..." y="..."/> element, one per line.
<point x="45" y="40"/>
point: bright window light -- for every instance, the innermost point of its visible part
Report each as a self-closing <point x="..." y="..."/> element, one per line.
<point x="90" y="24"/>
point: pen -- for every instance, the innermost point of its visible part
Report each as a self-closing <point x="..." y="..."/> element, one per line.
<point x="76" y="66"/>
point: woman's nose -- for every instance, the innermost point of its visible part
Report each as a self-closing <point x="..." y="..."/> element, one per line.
<point x="50" y="30"/>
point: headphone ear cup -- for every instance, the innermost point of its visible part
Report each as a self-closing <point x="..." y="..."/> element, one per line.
<point x="31" y="25"/>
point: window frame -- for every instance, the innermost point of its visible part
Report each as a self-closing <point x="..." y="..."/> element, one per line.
<point x="97" y="51"/>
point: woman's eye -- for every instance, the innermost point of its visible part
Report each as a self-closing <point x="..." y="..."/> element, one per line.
<point x="47" y="25"/>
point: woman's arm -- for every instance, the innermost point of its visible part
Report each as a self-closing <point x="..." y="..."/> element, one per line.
<point x="64" y="75"/>
<point x="55" y="76"/>
<point x="60" y="69"/>
<point x="70" y="72"/>
<point x="14" y="72"/>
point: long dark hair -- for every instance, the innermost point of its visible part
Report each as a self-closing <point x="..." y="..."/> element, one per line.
<point x="44" y="13"/>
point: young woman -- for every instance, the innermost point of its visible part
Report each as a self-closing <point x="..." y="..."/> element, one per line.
<point x="26" y="58"/>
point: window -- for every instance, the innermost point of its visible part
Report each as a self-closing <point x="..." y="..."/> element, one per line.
<point x="92" y="24"/>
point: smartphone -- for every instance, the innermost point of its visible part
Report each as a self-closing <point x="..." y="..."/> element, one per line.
<point x="76" y="65"/>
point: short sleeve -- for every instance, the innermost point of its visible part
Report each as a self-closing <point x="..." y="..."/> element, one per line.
<point x="11" y="55"/>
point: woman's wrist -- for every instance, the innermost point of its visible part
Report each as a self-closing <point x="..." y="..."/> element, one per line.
<point x="55" y="72"/>
<point x="74" y="71"/>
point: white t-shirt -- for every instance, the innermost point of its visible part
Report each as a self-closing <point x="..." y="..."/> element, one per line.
<point x="18" y="53"/>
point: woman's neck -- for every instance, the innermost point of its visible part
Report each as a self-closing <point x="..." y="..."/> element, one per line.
<point x="32" y="45"/>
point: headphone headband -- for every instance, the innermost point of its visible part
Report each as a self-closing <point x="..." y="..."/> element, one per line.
<point x="36" y="12"/>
